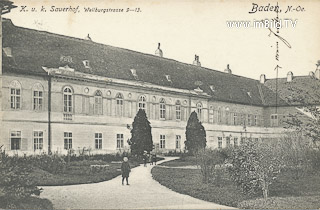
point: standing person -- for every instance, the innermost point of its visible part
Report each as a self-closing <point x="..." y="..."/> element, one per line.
<point x="154" y="158"/>
<point x="145" y="157"/>
<point x="125" y="170"/>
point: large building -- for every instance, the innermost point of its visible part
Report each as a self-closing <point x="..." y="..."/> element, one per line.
<point x="61" y="93"/>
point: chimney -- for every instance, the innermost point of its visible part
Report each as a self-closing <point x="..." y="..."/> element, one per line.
<point x="159" y="51"/>
<point x="228" y="70"/>
<point x="317" y="74"/>
<point x="289" y="76"/>
<point x="262" y="78"/>
<point x="196" y="61"/>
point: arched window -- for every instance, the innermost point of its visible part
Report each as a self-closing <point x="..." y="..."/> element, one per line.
<point x="178" y="110"/>
<point x="119" y="106"/>
<point x="162" y="109"/>
<point x="15" y="95"/>
<point x="67" y="100"/>
<point x="98" y="103"/>
<point x="37" y="97"/>
<point x="211" y="114"/>
<point x="199" y="111"/>
<point x="142" y="102"/>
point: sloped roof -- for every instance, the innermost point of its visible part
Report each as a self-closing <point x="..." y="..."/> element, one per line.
<point x="33" y="49"/>
<point x="301" y="90"/>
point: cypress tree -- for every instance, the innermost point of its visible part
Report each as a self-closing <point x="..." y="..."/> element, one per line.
<point x="195" y="134"/>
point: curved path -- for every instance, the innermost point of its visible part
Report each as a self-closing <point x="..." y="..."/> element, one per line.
<point x="142" y="193"/>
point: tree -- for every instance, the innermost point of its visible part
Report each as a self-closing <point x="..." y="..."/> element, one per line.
<point x="141" y="137"/>
<point x="195" y="134"/>
<point x="255" y="166"/>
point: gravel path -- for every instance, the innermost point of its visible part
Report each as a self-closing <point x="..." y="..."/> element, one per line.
<point x="142" y="193"/>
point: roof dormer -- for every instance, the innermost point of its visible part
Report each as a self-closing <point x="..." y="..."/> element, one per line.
<point x="7" y="51"/>
<point x="86" y="63"/>
<point x="134" y="73"/>
<point x="168" y="78"/>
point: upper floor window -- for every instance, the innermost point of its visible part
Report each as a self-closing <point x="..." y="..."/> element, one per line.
<point x="15" y="95"/>
<point x="219" y="115"/>
<point x="255" y="120"/>
<point x="37" y="97"/>
<point x="211" y="114"/>
<point x="274" y="120"/>
<point x="249" y="120"/>
<point x="162" y="109"/>
<point x="142" y="102"/>
<point x="178" y="110"/>
<point x="67" y="99"/>
<point x="199" y="110"/>
<point x="98" y="103"/>
<point x="119" y="106"/>
<point x="235" y="116"/>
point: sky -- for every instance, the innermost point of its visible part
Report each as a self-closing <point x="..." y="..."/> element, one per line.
<point x="188" y="27"/>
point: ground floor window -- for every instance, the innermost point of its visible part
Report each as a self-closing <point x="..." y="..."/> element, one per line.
<point x="235" y="142"/>
<point x="98" y="140"/>
<point x="162" y="141"/>
<point x="15" y="138"/>
<point x="228" y="143"/>
<point x="219" y="142"/>
<point x="37" y="140"/>
<point x="178" y="141"/>
<point x="119" y="141"/>
<point x="67" y="140"/>
<point x="243" y="139"/>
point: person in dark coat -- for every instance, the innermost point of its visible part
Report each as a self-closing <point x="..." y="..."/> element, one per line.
<point x="145" y="158"/>
<point x="154" y="158"/>
<point x="125" y="170"/>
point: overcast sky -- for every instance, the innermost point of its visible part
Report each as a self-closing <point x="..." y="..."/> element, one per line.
<point x="188" y="27"/>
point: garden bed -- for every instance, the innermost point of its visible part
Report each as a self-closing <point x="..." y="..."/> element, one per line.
<point x="27" y="203"/>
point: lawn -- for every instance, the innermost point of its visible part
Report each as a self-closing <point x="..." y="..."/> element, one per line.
<point x="285" y="193"/>
<point x="78" y="172"/>
<point x="27" y="203"/>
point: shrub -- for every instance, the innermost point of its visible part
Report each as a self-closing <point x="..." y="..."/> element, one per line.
<point x="15" y="181"/>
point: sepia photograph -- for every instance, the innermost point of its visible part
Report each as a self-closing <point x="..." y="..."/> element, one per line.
<point x="159" y="104"/>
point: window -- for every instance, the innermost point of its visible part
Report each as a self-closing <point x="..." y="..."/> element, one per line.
<point x="235" y="116"/>
<point x="15" y="138"/>
<point x="178" y="110"/>
<point x="235" y="142"/>
<point x="119" y="107"/>
<point x="98" y="140"/>
<point x="162" y="109"/>
<point x="211" y="115"/>
<point x="255" y="120"/>
<point x="134" y="73"/>
<point x="15" y="95"/>
<point x="274" y="120"/>
<point x="199" y="111"/>
<point x="37" y="96"/>
<point x="178" y="141"/>
<point x="219" y="142"/>
<point x="249" y="120"/>
<point x="219" y="115"/>
<point x="37" y="140"/>
<point x="119" y="141"/>
<point x="67" y="140"/>
<point x="142" y="102"/>
<point x="243" y="139"/>
<point x="98" y="103"/>
<point x="67" y="100"/>
<point x="228" y="143"/>
<point x="168" y="78"/>
<point x="162" y="141"/>
<point x="256" y="140"/>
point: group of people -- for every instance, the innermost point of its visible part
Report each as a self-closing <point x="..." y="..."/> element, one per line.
<point x="151" y="157"/>
<point x="126" y="169"/>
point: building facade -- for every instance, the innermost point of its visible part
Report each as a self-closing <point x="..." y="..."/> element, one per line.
<point x="61" y="93"/>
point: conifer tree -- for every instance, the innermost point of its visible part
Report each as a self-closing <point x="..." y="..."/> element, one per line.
<point x="141" y="137"/>
<point x="195" y="134"/>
